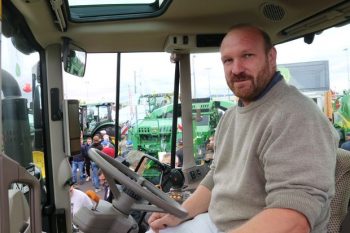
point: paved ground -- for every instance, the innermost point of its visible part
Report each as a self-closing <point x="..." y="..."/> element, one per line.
<point x="87" y="185"/>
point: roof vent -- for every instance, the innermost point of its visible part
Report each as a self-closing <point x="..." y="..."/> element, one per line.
<point x="272" y="11"/>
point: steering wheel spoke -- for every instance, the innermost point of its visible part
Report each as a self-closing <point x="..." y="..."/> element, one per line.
<point x="116" y="171"/>
<point x="145" y="207"/>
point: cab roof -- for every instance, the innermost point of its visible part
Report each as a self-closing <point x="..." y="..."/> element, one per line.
<point x="178" y="26"/>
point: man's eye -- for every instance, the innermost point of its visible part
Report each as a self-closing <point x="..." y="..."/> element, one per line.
<point x="227" y="60"/>
<point x="248" y="55"/>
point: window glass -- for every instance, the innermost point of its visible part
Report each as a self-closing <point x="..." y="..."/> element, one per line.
<point x="146" y="97"/>
<point x="21" y="125"/>
<point x="147" y="86"/>
<point x="90" y="10"/>
<point x="20" y="84"/>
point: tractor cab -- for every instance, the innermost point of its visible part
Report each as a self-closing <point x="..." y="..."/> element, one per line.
<point x="153" y="73"/>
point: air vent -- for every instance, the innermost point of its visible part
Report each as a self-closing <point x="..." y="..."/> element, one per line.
<point x="272" y="11"/>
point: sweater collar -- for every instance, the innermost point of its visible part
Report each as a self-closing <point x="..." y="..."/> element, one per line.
<point x="275" y="79"/>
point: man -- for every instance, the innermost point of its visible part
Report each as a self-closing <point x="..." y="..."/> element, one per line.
<point x="78" y="164"/>
<point x="106" y="142"/>
<point x="270" y="173"/>
<point x="108" y="196"/>
<point x="180" y="153"/>
<point x="96" y="143"/>
<point x="87" y="159"/>
<point x="209" y="149"/>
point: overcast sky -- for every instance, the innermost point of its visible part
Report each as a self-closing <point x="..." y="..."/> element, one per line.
<point x="153" y="73"/>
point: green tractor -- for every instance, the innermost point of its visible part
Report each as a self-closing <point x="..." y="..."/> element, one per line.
<point x="342" y="115"/>
<point x="153" y="133"/>
<point x="95" y="118"/>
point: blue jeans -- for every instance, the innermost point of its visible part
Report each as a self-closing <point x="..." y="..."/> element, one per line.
<point x="75" y="166"/>
<point x="95" y="178"/>
<point x="346" y="145"/>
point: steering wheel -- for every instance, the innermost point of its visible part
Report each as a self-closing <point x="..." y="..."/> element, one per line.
<point x="116" y="171"/>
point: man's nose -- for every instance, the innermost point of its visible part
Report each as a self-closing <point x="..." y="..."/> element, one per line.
<point x="237" y="67"/>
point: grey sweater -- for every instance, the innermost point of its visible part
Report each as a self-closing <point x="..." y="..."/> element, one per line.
<point x="277" y="152"/>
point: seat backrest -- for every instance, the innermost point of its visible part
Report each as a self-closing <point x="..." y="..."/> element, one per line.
<point x="340" y="202"/>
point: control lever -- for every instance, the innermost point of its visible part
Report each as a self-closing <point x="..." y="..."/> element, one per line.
<point x="93" y="196"/>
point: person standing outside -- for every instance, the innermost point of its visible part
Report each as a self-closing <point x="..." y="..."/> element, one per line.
<point x="78" y="164"/>
<point x="87" y="159"/>
<point x="275" y="153"/>
<point x="106" y="141"/>
<point x="209" y="149"/>
<point x="96" y="143"/>
<point x="180" y="153"/>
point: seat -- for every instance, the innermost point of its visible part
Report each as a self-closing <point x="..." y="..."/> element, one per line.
<point x="340" y="202"/>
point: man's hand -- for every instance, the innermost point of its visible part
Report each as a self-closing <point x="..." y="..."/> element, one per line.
<point x="158" y="221"/>
<point x="196" y="204"/>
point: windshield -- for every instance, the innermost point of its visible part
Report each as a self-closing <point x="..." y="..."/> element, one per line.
<point x="146" y="87"/>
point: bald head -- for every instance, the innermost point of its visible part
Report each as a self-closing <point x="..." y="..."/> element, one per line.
<point x="266" y="39"/>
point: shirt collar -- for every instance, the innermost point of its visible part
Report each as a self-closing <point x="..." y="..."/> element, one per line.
<point x="275" y="79"/>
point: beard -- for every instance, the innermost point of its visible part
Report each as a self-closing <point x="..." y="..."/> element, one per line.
<point x="247" y="87"/>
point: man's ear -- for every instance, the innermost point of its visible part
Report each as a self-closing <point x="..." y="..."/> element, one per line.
<point x="272" y="57"/>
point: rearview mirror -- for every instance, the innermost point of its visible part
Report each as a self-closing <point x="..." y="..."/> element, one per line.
<point x="74" y="58"/>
